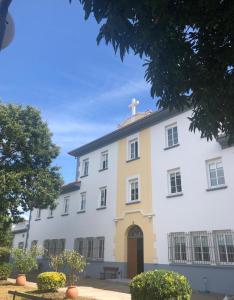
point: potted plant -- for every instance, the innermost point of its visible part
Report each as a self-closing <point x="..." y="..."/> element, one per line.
<point x="24" y="260"/>
<point x="75" y="263"/>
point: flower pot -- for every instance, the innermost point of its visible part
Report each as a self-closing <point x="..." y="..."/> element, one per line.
<point x="21" y="279"/>
<point x="72" y="292"/>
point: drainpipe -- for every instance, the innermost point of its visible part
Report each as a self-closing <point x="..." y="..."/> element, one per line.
<point x="26" y="242"/>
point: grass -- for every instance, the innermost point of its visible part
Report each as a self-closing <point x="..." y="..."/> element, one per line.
<point x="6" y="286"/>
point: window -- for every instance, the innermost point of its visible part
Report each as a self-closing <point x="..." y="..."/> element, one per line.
<point x="85" y="167"/>
<point x="178" y="247"/>
<point x="38" y="213"/>
<point x="200" y="246"/>
<point x="172" y="135"/>
<point x="104" y="160"/>
<point x="215" y="173"/>
<point x="66" y="205"/>
<point x="133" y="149"/>
<point x="225" y="246"/>
<point x="79" y="245"/>
<point x="21" y="245"/>
<point x="103" y="194"/>
<point x="83" y="201"/>
<point x="90" y="248"/>
<point x="54" y="247"/>
<point x="174" y="181"/>
<point x="101" y="244"/>
<point x="133" y="190"/>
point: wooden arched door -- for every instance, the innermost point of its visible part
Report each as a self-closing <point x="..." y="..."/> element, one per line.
<point x="135" y="250"/>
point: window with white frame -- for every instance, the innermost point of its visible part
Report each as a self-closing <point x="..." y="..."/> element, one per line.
<point x="133" y="148"/>
<point x="103" y="196"/>
<point x="90" y="248"/>
<point x="101" y="244"/>
<point x="200" y="247"/>
<point x="85" y="167"/>
<point x="174" y="179"/>
<point x="171" y="135"/>
<point x="215" y="173"/>
<point x="133" y="190"/>
<point x="104" y="160"/>
<point x="38" y="213"/>
<point x="225" y="246"/>
<point x="178" y="247"/>
<point x="83" y="201"/>
<point x="66" y="205"/>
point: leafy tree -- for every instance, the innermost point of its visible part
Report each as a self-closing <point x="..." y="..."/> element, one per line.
<point x="4" y="4"/>
<point x="188" y="48"/>
<point x="6" y="235"/>
<point x="27" y="178"/>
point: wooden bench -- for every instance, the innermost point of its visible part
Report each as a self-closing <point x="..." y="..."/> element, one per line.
<point x="26" y="296"/>
<point x="109" y="273"/>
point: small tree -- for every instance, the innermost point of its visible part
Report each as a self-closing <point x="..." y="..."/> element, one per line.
<point x="56" y="261"/>
<point x="75" y="263"/>
<point x="25" y="260"/>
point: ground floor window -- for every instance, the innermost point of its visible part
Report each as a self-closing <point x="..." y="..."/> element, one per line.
<point x="92" y="247"/>
<point x="54" y="246"/>
<point x="215" y="247"/>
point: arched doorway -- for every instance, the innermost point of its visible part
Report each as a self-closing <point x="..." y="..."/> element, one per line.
<point x="135" y="251"/>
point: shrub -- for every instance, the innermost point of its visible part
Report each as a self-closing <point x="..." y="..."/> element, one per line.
<point x="160" y="284"/>
<point x="5" y="270"/>
<point x="56" y="261"/>
<point x="75" y="263"/>
<point x="4" y="254"/>
<point x="51" y="281"/>
<point x="25" y="260"/>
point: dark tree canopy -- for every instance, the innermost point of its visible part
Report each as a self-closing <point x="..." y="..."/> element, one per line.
<point x="27" y="179"/>
<point x="189" y="51"/>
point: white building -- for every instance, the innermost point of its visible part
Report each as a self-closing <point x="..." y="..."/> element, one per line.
<point x="19" y="232"/>
<point x="149" y="195"/>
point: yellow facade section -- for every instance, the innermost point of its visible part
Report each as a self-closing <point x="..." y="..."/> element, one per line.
<point x="141" y="214"/>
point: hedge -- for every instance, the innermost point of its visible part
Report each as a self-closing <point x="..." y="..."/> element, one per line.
<point x="160" y="285"/>
<point x="51" y="281"/>
<point x="5" y="270"/>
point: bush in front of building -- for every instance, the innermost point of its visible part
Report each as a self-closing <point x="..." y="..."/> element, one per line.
<point x="5" y="270"/>
<point x="51" y="281"/>
<point x="160" y="284"/>
<point x="4" y="254"/>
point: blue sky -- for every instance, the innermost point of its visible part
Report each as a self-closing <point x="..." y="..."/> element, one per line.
<point x="82" y="90"/>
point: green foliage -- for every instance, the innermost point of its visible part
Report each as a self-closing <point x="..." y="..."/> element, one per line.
<point x="6" y="235"/>
<point x="4" y="254"/>
<point x="160" y="284"/>
<point x="5" y="270"/>
<point x="25" y="260"/>
<point x="56" y="261"/>
<point x="75" y="263"/>
<point x="188" y="47"/>
<point x="51" y="281"/>
<point x="27" y="178"/>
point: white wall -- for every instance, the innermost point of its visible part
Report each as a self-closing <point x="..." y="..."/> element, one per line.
<point x="197" y="209"/>
<point x="92" y="223"/>
<point x="18" y="238"/>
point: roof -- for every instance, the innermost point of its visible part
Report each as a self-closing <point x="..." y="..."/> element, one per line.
<point x="70" y="187"/>
<point x="145" y="122"/>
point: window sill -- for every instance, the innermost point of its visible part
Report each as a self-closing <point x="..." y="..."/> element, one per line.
<point x="81" y="211"/>
<point x="100" y="208"/>
<point x="127" y="161"/>
<point x="171" y="147"/>
<point x="63" y="215"/>
<point x="51" y="217"/>
<point x="101" y="170"/>
<point x="217" y="188"/>
<point x="37" y="219"/>
<point x="175" y="195"/>
<point x="132" y="202"/>
<point x="83" y="176"/>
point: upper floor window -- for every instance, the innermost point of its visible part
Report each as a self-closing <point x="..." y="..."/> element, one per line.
<point x="83" y="201"/>
<point x="38" y="213"/>
<point x="85" y="167"/>
<point x="174" y="178"/>
<point x="103" y="195"/>
<point x="104" y="160"/>
<point x="66" y="205"/>
<point x="133" y="148"/>
<point x="171" y="135"/>
<point x="215" y="173"/>
<point x="133" y="190"/>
